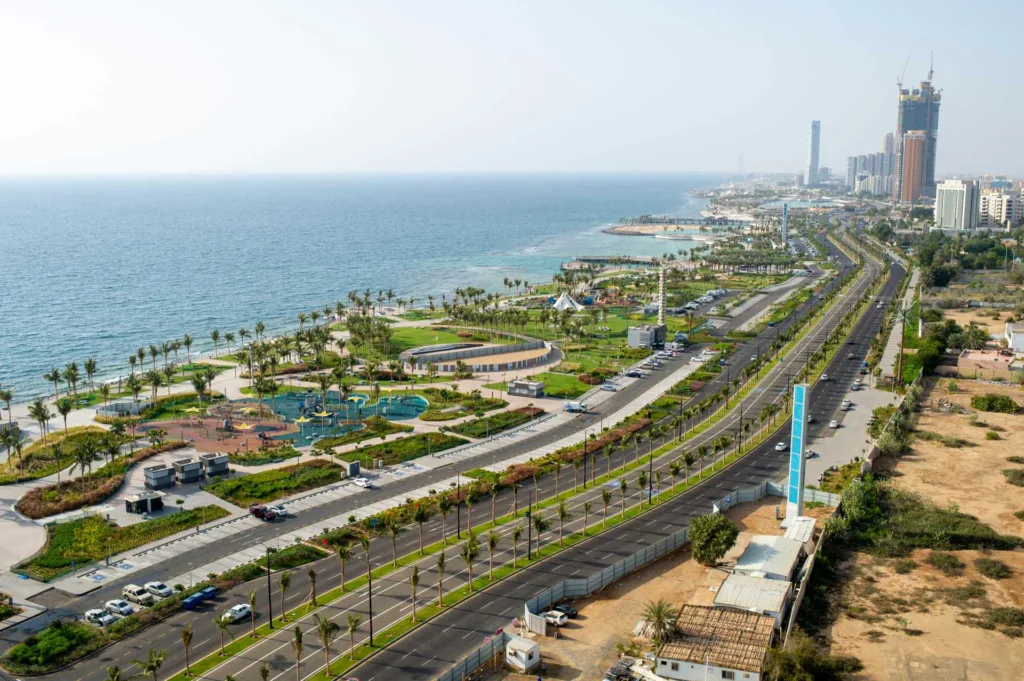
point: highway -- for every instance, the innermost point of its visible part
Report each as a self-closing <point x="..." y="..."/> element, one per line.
<point x="391" y="594"/>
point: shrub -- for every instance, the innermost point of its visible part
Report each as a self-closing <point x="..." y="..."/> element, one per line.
<point x="497" y="423"/>
<point x="903" y="566"/>
<point x="992" y="568"/>
<point x="992" y="435"/>
<point x="946" y="563"/>
<point x="1014" y="476"/>
<point x="276" y="483"/>
<point x="375" y="426"/>
<point x="406" y="448"/>
<point x="711" y="537"/>
<point x="1015" y="459"/>
<point x="260" y="457"/>
<point x="49" y="648"/>
<point x="802" y="659"/>
<point x="993" y="402"/>
<point x="1013" y="617"/>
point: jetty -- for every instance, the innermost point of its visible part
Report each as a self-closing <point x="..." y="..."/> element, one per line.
<point x="700" y="221"/>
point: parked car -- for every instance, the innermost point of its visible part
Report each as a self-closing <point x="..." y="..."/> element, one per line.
<point x="810" y="454"/>
<point x="780" y="446"/>
<point x="559" y="619"/>
<point x="854" y="388"/>
<point x="137" y="594"/>
<point x="833" y="424"/>
<point x="363" y="482"/>
<point x="635" y="373"/>
<point x="100" y="617"/>
<point x="262" y="512"/>
<point x="863" y="371"/>
<point x="237" y="612"/>
<point x="118" y="607"/>
<point x="567" y="610"/>
<point x="159" y="589"/>
<point x="280" y="511"/>
<point x="608" y="387"/>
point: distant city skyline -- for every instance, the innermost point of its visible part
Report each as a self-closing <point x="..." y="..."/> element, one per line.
<point x="117" y="87"/>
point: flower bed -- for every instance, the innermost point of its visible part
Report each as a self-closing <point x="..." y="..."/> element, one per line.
<point x="42" y="502"/>
<point x="406" y="448"/>
<point x="488" y="425"/>
<point x="75" y="544"/>
<point x="443" y="415"/>
<point x="277" y="483"/>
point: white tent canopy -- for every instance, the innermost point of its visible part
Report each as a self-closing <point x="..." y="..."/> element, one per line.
<point x="564" y="302"/>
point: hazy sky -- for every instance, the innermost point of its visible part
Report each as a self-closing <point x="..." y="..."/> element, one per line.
<point x="449" y="86"/>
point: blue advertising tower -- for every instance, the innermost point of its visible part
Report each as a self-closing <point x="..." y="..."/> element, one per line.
<point x="797" y="447"/>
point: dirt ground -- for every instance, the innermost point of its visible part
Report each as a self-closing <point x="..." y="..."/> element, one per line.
<point x="966" y="316"/>
<point x="587" y="645"/>
<point x="970" y="476"/>
<point x="913" y="626"/>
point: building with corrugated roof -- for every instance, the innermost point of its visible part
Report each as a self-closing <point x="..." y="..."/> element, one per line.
<point x="755" y="594"/>
<point x="770" y="557"/>
<point x="716" y="643"/>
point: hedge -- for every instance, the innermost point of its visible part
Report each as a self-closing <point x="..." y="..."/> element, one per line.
<point x="276" y="483"/>
<point x="489" y="425"/>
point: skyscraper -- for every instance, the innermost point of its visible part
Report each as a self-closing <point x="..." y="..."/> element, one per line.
<point x="851" y="172"/>
<point x="813" y="140"/>
<point x="911" y="166"/>
<point x="918" y="110"/>
<point x="957" y="204"/>
<point x="888" y="154"/>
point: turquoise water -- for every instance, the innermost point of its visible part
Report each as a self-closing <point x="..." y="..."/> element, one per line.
<point x="293" y="405"/>
<point x="100" y="267"/>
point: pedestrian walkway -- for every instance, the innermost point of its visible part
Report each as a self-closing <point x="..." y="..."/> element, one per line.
<point x="892" y="346"/>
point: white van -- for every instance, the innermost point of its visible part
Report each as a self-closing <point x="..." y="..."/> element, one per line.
<point x="136" y="594"/>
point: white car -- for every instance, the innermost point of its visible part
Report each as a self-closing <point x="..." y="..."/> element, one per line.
<point x="608" y="387"/>
<point x="559" y="619"/>
<point x="281" y="511"/>
<point x="833" y="424"/>
<point x="118" y="607"/>
<point x="159" y="589"/>
<point x="363" y="482"/>
<point x="780" y="447"/>
<point x="237" y="612"/>
<point x="100" y="617"/>
<point x="824" y="377"/>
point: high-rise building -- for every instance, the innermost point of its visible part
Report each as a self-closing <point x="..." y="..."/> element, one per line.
<point x="888" y="154"/>
<point x="911" y="167"/>
<point x="957" y="204"/>
<point x="918" y="110"/>
<point x="813" y="142"/>
<point x="824" y="173"/>
<point x="851" y="172"/>
<point x="1000" y="209"/>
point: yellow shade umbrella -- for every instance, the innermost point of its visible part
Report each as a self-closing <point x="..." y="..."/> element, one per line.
<point x="324" y="414"/>
<point x="247" y="410"/>
<point x="302" y="419"/>
<point x="245" y="426"/>
<point x="193" y="410"/>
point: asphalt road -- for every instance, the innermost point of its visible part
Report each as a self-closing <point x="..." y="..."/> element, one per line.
<point x="431" y="649"/>
<point x="166" y="635"/>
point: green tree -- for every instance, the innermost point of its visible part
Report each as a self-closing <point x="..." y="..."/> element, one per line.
<point x="421" y="515"/>
<point x="441" y="560"/>
<point x="414" y="582"/>
<point x="223" y="625"/>
<point x="493" y="539"/>
<point x="661" y="617"/>
<point x="284" y="580"/>
<point x="606" y="497"/>
<point x="540" y="525"/>
<point x="470" y="552"/>
<point x="186" y="643"/>
<point x="151" y="665"/>
<point x="297" y="647"/>
<point x="64" y="407"/>
<point x="327" y="630"/>
<point x="563" y="514"/>
<point x="803" y="660"/>
<point x="711" y="536"/>
<point x="517" y="533"/>
<point x="394" y="527"/>
<point x="354" y="620"/>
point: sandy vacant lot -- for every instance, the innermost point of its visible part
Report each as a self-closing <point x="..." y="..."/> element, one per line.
<point x="586" y="647"/>
<point x="912" y="627"/>
<point x="965" y="317"/>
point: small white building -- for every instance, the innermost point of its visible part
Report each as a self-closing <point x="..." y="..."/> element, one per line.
<point x="1014" y="335"/>
<point x="801" y="529"/>
<point x="755" y="594"/>
<point x="522" y="654"/>
<point x="770" y="557"/>
<point x="525" y="388"/>
<point x="716" y="643"/>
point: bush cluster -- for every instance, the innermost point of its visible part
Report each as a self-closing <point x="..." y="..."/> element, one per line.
<point x="276" y="483"/>
<point x="497" y="423"/>
<point x="992" y="402"/>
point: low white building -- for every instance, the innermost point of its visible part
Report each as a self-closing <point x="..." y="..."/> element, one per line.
<point x="522" y="654"/>
<point x="1014" y="335"/>
<point x="755" y="594"/>
<point x="801" y="529"/>
<point x="716" y="643"/>
<point x="770" y="557"/>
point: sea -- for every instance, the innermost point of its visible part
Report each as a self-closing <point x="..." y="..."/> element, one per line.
<point x="99" y="267"/>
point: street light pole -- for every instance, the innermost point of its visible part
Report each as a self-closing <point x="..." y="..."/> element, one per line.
<point x="458" y="505"/>
<point x="270" y="602"/>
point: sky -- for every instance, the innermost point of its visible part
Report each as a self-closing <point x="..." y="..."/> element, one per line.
<point x="452" y="86"/>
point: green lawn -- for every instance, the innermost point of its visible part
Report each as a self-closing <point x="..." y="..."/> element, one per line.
<point x="37" y="460"/>
<point x="404" y="449"/>
<point x="565" y="386"/>
<point x="73" y="545"/>
<point x="489" y="425"/>
<point x="277" y="483"/>
<point x="407" y="337"/>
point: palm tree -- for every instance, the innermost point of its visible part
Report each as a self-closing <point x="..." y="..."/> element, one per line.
<point x="515" y="498"/>
<point x="563" y="514"/>
<point x="414" y="581"/>
<point x="284" y="581"/>
<point x="115" y="674"/>
<point x="327" y="630"/>
<point x="90" y="370"/>
<point x="493" y="490"/>
<point x="623" y="488"/>
<point x="586" y="515"/>
<point x="105" y="393"/>
<point x="155" y="379"/>
<point x="312" y="585"/>
<point x="297" y="647"/>
<point x="354" y="619"/>
<point x="674" y="469"/>
<point x="71" y="376"/>
<point x="186" y="642"/>
<point x="223" y="627"/>
<point x="54" y="376"/>
<point x="252" y="612"/>
<point x="541" y="525"/>
<point x="440" y="579"/>
<point x="420" y="515"/>
<point x="608" y="459"/>
<point x="151" y="665"/>
<point x="168" y="373"/>
<point x="517" y="533"/>
<point x="153" y="352"/>
<point x="394" y="528"/>
<point x="186" y="340"/>
<point x="444" y="507"/>
<point x="86" y="454"/>
<point x="215" y="337"/>
<point x="470" y="552"/>
<point x="661" y="617"/>
<point x="493" y="539"/>
<point x="141" y="354"/>
<point x="606" y="497"/>
<point x="265" y="672"/>
<point x="64" y="407"/>
<point x="41" y="414"/>
<point x="344" y="551"/>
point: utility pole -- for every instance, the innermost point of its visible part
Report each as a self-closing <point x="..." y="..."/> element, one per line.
<point x="270" y="602"/>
